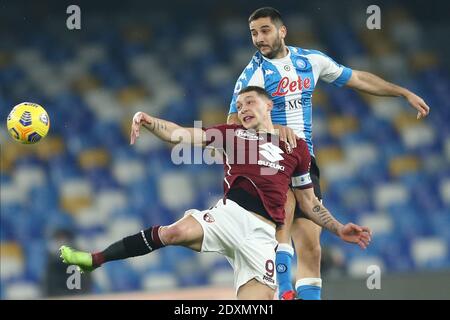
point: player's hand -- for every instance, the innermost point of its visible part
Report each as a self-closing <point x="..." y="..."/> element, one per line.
<point x="353" y="233"/>
<point x="419" y="104"/>
<point x="138" y="119"/>
<point x="286" y="135"/>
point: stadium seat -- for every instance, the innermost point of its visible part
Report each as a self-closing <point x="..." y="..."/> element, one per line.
<point x="76" y="194"/>
<point x="360" y="267"/>
<point x="126" y="172"/>
<point x="379" y="223"/>
<point x="222" y="274"/>
<point x="12" y="260"/>
<point x="176" y="190"/>
<point x="428" y="250"/>
<point x="20" y="290"/>
<point x="159" y="281"/>
<point x="379" y="166"/>
<point x="444" y="189"/>
<point x="122" y="277"/>
<point x="391" y="193"/>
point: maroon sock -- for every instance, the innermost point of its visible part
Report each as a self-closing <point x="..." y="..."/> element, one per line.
<point x="98" y="259"/>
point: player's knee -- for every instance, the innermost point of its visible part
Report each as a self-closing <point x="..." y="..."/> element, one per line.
<point x="173" y="234"/>
<point x="315" y="252"/>
<point x="311" y="253"/>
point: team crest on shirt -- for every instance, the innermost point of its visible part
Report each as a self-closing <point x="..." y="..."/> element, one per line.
<point x="247" y="135"/>
<point x="300" y="63"/>
<point x="208" y="218"/>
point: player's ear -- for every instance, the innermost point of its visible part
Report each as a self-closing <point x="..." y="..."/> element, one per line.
<point x="269" y="105"/>
<point x="283" y="32"/>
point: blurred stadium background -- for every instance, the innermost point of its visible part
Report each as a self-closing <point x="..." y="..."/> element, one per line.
<point x="179" y="60"/>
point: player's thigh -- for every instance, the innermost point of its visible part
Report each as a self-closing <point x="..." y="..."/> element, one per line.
<point x="283" y="233"/>
<point x="255" y="290"/>
<point x="255" y="258"/>
<point x="222" y="226"/>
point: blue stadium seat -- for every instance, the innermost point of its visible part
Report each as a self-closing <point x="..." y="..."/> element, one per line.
<point x="122" y="276"/>
<point x="138" y="174"/>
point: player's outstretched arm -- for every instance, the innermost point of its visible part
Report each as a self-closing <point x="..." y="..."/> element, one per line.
<point x="372" y="84"/>
<point x="166" y="130"/>
<point x="316" y="212"/>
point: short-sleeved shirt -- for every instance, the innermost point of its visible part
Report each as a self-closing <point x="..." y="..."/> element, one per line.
<point x="291" y="81"/>
<point x="257" y="163"/>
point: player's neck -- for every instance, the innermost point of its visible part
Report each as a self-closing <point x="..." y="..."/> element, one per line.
<point x="266" y="127"/>
<point x="283" y="53"/>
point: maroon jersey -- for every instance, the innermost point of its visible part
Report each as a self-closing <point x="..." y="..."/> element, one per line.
<point x="257" y="163"/>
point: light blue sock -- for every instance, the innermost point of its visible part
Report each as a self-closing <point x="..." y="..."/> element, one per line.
<point x="309" y="288"/>
<point x="283" y="261"/>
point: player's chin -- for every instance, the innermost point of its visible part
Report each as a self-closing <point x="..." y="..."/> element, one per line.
<point x="266" y="52"/>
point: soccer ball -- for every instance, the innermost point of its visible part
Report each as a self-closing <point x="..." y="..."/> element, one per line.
<point x="28" y="123"/>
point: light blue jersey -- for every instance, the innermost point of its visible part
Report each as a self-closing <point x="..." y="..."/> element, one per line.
<point x="291" y="81"/>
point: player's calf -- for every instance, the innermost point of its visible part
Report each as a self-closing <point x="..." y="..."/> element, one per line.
<point x="135" y="245"/>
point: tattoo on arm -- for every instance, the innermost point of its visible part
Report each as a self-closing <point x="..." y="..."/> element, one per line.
<point x="158" y="126"/>
<point x="325" y="217"/>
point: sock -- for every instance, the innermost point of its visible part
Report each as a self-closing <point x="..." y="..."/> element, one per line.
<point x="283" y="260"/>
<point x="139" y="244"/>
<point x="309" y="288"/>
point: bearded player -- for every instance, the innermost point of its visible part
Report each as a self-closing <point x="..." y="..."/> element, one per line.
<point x="290" y="74"/>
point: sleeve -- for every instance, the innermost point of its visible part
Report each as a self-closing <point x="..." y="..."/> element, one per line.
<point x="301" y="178"/>
<point x="250" y="76"/>
<point x="330" y="71"/>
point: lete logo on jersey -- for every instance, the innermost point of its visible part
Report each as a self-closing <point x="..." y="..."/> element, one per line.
<point x="286" y="86"/>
